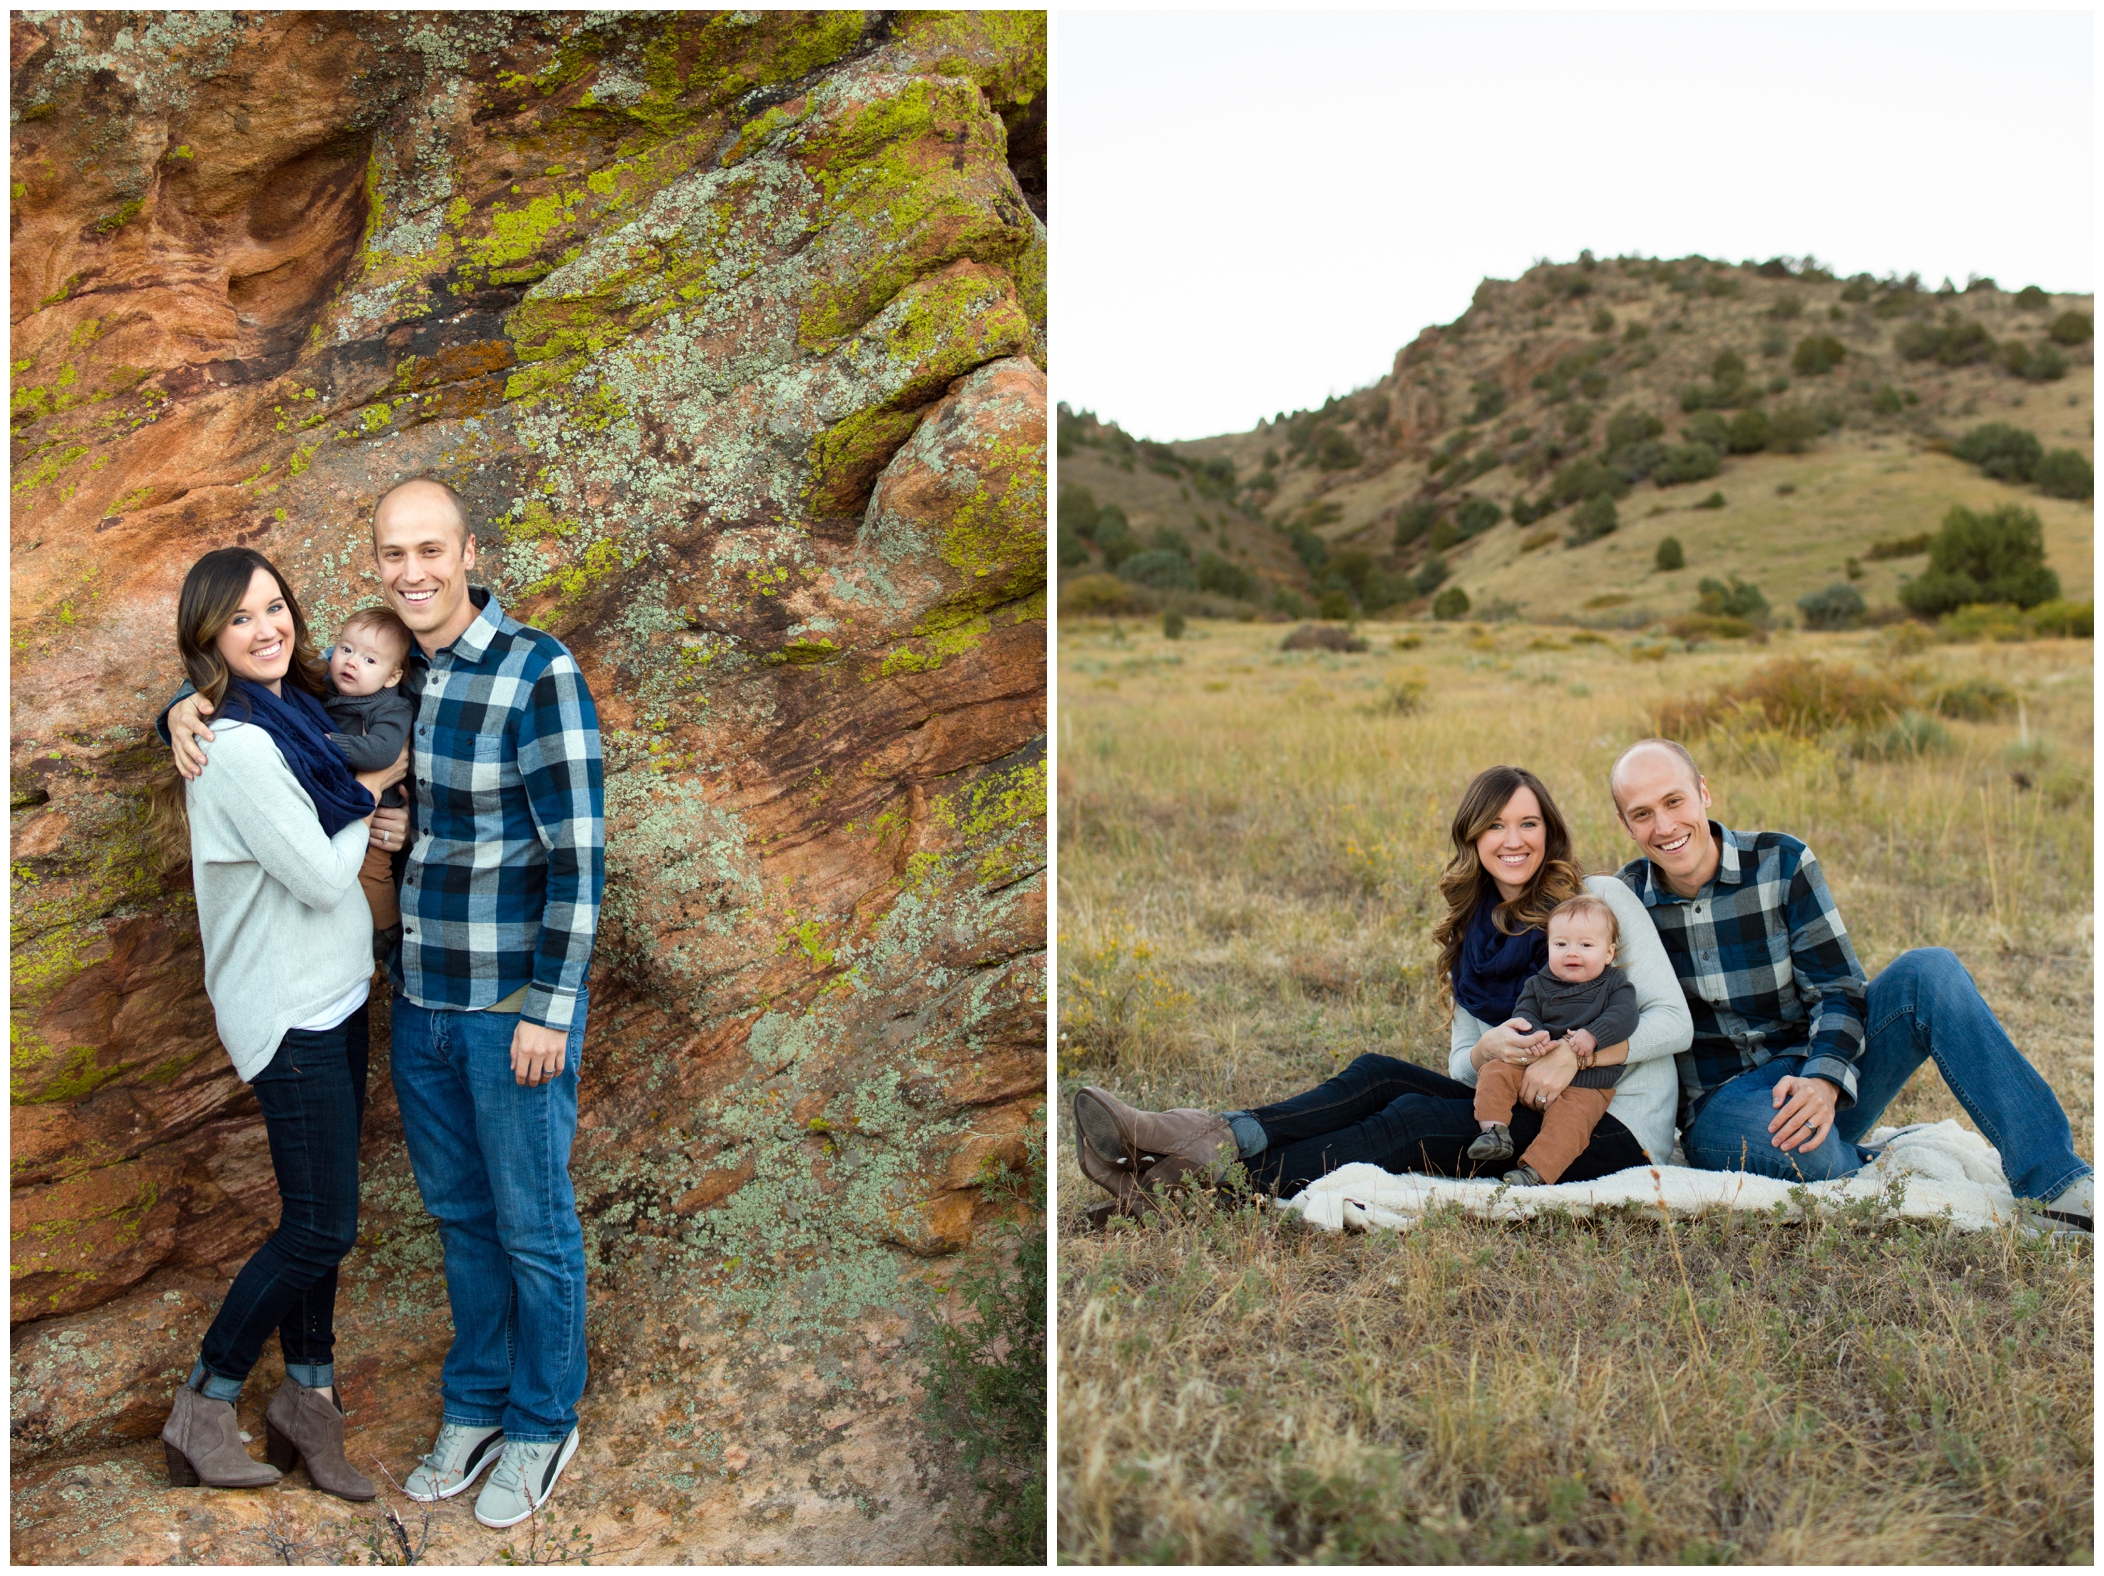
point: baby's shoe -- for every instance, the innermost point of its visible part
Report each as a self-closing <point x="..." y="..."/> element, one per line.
<point x="1496" y="1144"/>
<point x="1523" y="1175"/>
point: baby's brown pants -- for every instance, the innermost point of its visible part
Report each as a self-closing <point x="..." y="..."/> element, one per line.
<point x="376" y="875"/>
<point x="1566" y="1126"/>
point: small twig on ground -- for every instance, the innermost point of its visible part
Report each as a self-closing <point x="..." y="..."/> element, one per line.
<point x="389" y="1540"/>
<point x="280" y="1537"/>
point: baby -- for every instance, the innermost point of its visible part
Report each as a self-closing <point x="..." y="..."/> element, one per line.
<point x="1586" y="1002"/>
<point x="374" y="716"/>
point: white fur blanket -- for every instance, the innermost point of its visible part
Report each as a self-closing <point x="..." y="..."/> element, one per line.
<point x="1942" y="1172"/>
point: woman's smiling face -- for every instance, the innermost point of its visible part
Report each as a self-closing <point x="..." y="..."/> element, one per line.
<point x="1513" y="845"/>
<point x="257" y="640"/>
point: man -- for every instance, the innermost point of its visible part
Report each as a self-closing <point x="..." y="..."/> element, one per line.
<point x="500" y="906"/>
<point x="1796" y="1055"/>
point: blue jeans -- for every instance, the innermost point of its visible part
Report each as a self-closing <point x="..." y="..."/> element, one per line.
<point x="1923" y="1006"/>
<point x="313" y="1099"/>
<point x="492" y="1160"/>
<point x="1402" y="1117"/>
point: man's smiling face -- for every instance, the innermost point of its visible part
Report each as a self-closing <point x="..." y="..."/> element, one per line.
<point x="425" y="553"/>
<point x="1665" y="807"/>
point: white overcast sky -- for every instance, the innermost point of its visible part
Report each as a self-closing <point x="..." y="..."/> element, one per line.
<point x="1254" y="210"/>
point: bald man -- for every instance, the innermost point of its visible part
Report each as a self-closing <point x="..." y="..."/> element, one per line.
<point x="1796" y="1054"/>
<point x="501" y="876"/>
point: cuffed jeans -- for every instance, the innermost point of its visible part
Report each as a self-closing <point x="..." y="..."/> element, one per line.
<point x="1402" y="1117"/>
<point x="313" y="1098"/>
<point x="492" y="1160"/>
<point x="1924" y="1006"/>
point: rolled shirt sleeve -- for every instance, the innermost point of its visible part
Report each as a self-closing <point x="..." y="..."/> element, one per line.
<point x="563" y="775"/>
<point x="1829" y="980"/>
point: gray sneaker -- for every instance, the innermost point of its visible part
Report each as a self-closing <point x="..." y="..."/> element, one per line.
<point x="463" y="1453"/>
<point x="523" y="1480"/>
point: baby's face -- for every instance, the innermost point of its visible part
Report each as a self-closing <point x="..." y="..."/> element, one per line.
<point x="1578" y="947"/>
<point x="363" y="663"/>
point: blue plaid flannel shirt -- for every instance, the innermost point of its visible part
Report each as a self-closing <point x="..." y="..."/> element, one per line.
<point x="507" y="858"/>
<point x="1765" y="963"/>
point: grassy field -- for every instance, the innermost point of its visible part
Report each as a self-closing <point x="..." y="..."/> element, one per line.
<point x="1249" y="845"/>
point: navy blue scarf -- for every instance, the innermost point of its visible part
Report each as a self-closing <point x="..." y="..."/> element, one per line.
<point x="301" y="728"/>
<point x="1493" y="967"/>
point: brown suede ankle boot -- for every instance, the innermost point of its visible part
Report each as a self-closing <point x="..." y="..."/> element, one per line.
<point x="203" y="1445"/>
<point x="1141" y="1138"/>
<point x="305" y="1425"/>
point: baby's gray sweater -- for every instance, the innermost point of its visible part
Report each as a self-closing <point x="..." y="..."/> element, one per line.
<point x="285" y="924"/>
<point x="1604" y="1006"/>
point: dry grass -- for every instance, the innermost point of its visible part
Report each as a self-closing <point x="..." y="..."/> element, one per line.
<point x="1249" y="845"/>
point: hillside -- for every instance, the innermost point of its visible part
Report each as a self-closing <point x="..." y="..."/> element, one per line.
<point x="1821" y="409"/>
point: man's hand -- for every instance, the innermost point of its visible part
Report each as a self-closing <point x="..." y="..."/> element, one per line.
<point x="537" y="1052"/>
<point x="1548" y="1077"/>
<point x="186" y="731"/>
<point x="389" y="828"/>
<point x="1804" y="1113"/>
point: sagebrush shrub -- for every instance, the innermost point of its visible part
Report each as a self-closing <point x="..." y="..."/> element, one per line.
<point x="1688" y="462"/>
<point x="1629" y="425"/>
<point x="1710" y="428"/>
<point x="1592" y="520"/>
<point x="2064" y="473"/>
<point x="1450" y="604"/>
<point x="1837" y="607"/>
<point x="1669" y="556"/>
<point x="1476" y="516"/>
<point x="2072" y="328"/>
<point x="2006" y="453"/>
<point x="1748" y="433"/>
<point x="1817" y="355"/>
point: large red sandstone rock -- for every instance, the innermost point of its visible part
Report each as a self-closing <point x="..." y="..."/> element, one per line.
<point x="729" y="327"/>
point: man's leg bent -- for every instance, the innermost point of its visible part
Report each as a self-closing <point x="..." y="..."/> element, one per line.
<point x="525" y="1134"/>
<point x="1925" y="1005"/>
<point x="429" y="1067"/>
<point x="1731" y="1132"/>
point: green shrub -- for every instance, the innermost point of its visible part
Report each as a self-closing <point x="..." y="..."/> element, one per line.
<point x="1444" y="535"/>
<point x="1669" y="555"/>
<point x="1853" y="568"/>
<point x="2006" y="453"/>
<point x="1975" y="621"/>
<point x="1431" y="575"/>
<point x="2064" y="473"/>
<point x="1217" y="575"/>
<point x="1592" y="382"/>
<point x="1792" y="430"/>
<point x="1585" y="479"/>
<point x="1787" y="306"/>
<point x="1714" y="501"/>
<point x="1073" y="551"/>
<point x="1310" y="549"/>
<point x="1413" y="520"/>
<point x="2032" y="299"/>
<point x="1728" y="369"/>
<point x="1710" y="428"/>
<point x="1490" y="400"/>
<point x="1287" y="601"/>
<point x="1115" y="536"/>
<point x="2045" y="364"/>
<point x="1333" y="603"/>
<point x="1837" y="607"/>
<point x="1907" y="737"/>
<point x="1591" y="520"/>
<point x="2072" y="328"/>
<point x="1450" y="604"/>
<point x="1749" y="433"/>
<point x="2056" y="617"/>
<point x="1817" y="354"/>
<point x="1974" y="700"/>
<point x="1739" y="599"/>
<point x="1172" y="625"/>
<point x="1160" y="569"/>
<point x="1998" y="556"/>
<point x="1168" y="539"/>
<point x="1476" y="516"/>
<point x="1956" y="342"/>
<point x="1711" y="626"/>
<point x="1774" y="341"/>
<point x="1635" y="332"/>
<point x="1898" y="547"/>
<point x="1857" y="290"/>
<point x="1690" y="462"/>
<point x="1629" y="425"/>
<point x="1603" y="321"/>
<point x="1887" y="402"/>
<point x="1101" y="596"/>
<point x="1336" y="452"/>
<point x="1077" y="509"/>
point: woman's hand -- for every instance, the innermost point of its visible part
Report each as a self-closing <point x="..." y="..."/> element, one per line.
<point x="1548" y="1077"/>
<point x="378" y="782"/>
<point x="1511" y="1041"/>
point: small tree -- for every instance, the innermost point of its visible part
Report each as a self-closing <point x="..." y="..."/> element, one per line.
<point x="1477" y="516"/>
<point x="1450" y="604"/>
<point x="1837" y="607"/>
<point x="1687" y="462"/>
<point x="1335" y="603"/>
<point x="1669" y="556"/>
<point x="1172" y="625"/>
<point x="1999" y="556"/>
<point x="1749" y="432"/>
<point x="2073" y="328"/>
<point x="1817" y="354"/>
<point x="1336" y="452"/>
<point x="1739" y="599"/>
<point x="2032" y="299"/>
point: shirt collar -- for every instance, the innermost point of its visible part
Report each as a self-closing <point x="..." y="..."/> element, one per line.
<point x="474" y="641"/>
<point x="1731" y="871"/>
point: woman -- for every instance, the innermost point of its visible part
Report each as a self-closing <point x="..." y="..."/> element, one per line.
<point x="276" y="833"/>
<point x="1511" y="866"/>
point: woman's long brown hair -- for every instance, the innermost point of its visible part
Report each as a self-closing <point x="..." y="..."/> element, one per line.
<point x="1464" y="880"/>
<point x="211" y="596"/>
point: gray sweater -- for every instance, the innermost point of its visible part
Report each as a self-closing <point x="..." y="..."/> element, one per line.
<point x="285" y="924"/>
<point x="1605" y="1006"/>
